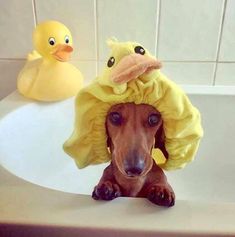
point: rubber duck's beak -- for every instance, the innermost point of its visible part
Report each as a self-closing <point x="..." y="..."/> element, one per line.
<point x="132" y="66"/>
<point x="62" y="52"/>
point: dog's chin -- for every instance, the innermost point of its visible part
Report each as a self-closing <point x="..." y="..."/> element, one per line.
<point x="132" y="176"/>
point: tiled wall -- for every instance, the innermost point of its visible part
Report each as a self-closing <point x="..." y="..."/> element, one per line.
<point x="195" y="39"/>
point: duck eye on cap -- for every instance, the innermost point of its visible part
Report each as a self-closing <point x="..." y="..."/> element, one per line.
<point x="51" y="41"/>
<point x="139" y="50"/>
<point x="111" y="61"/>
<point x="66" y="39"/>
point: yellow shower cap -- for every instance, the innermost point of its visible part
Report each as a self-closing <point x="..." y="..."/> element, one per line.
<point x="119" y="83"/>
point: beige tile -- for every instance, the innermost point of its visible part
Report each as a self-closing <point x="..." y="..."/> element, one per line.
<point x="189" y="73"/>
<point x="225" y="74"/>
<point x="87" y="68"/>
<point x="78" y="16"/>
<point x="16" y="26"/>
<point x="9" y="71"/>
<point x="127" y="20"/>
<point x="189" y="29"/>
<point x="227" y="48"/>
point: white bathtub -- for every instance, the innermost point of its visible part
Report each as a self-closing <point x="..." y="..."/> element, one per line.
<point x="31" y="138"/>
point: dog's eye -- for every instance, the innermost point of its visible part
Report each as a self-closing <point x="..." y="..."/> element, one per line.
<point x="115" y="118"/>
<point x="153" y="120"/>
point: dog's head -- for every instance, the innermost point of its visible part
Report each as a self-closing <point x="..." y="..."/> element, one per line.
<point x="133" y="130"/>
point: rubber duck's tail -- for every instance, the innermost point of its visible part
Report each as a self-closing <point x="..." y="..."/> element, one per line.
<point x="33" y="55"/>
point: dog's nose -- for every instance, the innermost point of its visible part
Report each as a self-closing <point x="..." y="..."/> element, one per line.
<point x="134" y="165"/>
<point x="134" y="171"/>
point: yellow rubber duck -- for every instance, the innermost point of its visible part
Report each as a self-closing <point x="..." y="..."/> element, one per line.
<point x="47" y="76"/>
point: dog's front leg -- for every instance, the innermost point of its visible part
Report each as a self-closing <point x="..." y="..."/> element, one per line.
<point x="157" y="189"/>
<point x="107" y="188"/>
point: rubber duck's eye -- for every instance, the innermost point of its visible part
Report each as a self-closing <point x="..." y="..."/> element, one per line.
<point x="115" y="118"/>
<point x="139" y="50"/>
<point x="66" y="39"/>
<point x="51" y="41"/>
<point x="111" y="62"/>
<point x="153" y="120"/>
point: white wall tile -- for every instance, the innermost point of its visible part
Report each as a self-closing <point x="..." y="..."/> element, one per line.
<point x="16" y="25"/>
<point x="78" y="16"/>
<point x="225" y="74"/>
<point x="9" y="70"/>
<point x="189" y="73"/>
<point x="87" y="68"/>
<point x="189" y="29"/>
<point x="127" y="20"/>
<point x="101" y="65"/>
<point x="227" y="48"/>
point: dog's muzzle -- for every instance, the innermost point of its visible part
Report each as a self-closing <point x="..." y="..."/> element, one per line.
<point x="134" y="164"/>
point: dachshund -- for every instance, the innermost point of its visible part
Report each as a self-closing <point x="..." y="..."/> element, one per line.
<point x="133" y="131"/>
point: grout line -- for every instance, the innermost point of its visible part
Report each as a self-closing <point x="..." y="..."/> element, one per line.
<point x="195" y="61"/>
<point x="102" y="60"/>
<point x="184" y="61"/>
<point x="226" y="62"/>
<point x="12" y="59"/>
<point x="219" y="41"/>
<point x="35" y="18"/>
<point x="83" y="60"/>
<point x="71" y="60"/>
<point x="158" y="28"/>
<point x="187" y="61"/>
<point x="96" y="36"/>
<point x="94" y="60"/>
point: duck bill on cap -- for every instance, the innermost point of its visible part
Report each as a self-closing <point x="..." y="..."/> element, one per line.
<point x="62" y="52"/>
<point x="133" y="66"/>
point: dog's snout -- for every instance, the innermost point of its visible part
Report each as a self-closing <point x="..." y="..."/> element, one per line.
<point x="134" y="164"/>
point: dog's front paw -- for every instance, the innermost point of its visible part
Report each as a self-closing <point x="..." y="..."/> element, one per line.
<point x="162" y="195"/>
<point x="106" y="191"/>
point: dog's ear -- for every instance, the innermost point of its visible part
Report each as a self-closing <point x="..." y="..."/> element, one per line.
<point x="160" y="140"/>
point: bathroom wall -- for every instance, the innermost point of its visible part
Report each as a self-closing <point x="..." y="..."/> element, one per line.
<point x="195" y="39"/>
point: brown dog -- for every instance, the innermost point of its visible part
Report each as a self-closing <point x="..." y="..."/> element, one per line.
<point x="133" y="130"/>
